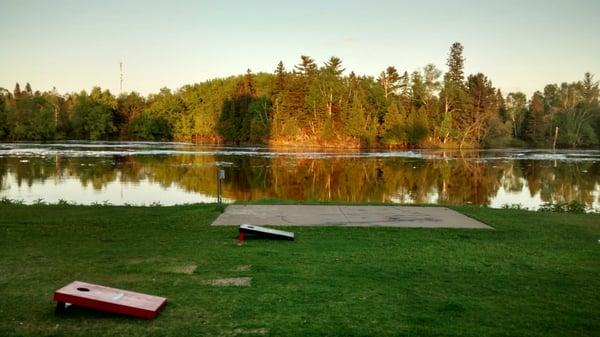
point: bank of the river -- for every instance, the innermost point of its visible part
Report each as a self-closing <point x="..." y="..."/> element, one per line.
<point x="535" y="275"/>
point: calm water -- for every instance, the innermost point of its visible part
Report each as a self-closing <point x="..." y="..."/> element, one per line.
<point x="174" y="173"/>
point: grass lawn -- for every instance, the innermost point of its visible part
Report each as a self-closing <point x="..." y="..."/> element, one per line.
<point x="537" y="274"/>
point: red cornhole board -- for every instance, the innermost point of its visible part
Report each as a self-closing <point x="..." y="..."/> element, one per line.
<point x="109" y="299"/>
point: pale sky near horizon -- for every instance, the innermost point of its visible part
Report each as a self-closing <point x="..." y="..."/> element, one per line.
<point x="74" y="45"/>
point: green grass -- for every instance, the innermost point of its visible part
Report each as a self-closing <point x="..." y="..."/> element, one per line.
<point x="537" y="274"/>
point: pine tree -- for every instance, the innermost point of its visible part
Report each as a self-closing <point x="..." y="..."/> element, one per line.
<point x="536" y="126"/>
<point x="17" y="91"/>
<point x="389" y="80"/>
<point x="279" y="78"/>
<point x="307" y="66"/>
<point x="356" y="122"/>
<point x="279" y="97"/>
<point x="28" y="89"/>
<point x="482" y="108"/>
<point x="453" y="99"/>
<point x="246" y="87"/>
<point x="455" y="64"/>
<point x="417" y="126"/>
<point x="590" y="88"/>
<point x="394" y="125"/>
<point x="334" y="65"/>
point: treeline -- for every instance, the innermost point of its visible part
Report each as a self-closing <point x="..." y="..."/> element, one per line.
<point x="319" y="105"/>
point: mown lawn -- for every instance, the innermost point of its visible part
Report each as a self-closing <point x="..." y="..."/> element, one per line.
<point x="537" y="274"/>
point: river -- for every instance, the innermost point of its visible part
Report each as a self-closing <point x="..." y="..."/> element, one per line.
<point x="145" y="173"/>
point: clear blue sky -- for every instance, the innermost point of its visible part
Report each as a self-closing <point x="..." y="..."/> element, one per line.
<point x="74" y="45"/>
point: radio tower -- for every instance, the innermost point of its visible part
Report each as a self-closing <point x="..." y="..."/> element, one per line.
<point x="120" y="77"/>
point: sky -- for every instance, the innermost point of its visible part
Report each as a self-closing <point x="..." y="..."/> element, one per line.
<point x="75" y="45"/>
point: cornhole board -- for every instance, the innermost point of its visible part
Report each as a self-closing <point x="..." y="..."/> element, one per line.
<point x="264" y="232"/>
<point x="108" y="299"/>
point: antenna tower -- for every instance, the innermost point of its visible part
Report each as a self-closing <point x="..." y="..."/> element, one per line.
<point x="120" y="77"/>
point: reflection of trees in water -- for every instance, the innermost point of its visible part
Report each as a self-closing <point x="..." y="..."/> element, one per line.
<point x="3" y="173"/>
<point x="453" y="181"/>
<point x="513" y="177"/>
<point x="568" y="181"/>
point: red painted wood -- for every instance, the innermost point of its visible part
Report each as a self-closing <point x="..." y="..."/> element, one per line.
<point x="110" y="299"/>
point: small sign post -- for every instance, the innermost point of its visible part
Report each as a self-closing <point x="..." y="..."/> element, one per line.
<point x="220" y="177"/>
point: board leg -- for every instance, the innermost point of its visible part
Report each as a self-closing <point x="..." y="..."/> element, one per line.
<point x="60" y="307"/>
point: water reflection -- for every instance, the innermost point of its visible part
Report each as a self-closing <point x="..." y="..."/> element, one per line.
<point x="489" y="178"/>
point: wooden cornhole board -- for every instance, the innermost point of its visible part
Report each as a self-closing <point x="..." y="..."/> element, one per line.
<point x="264" y="232"/>
<point x="109" y="299"/>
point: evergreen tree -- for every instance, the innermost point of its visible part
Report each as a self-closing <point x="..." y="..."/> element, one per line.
<point x="327" y="90"/>
<point x="389" y="80"/>
<point x="334" y="66"/>
<point x="416" y="126"/>
<point x="394" y="125"/>
<point x="453" y="98"/>
<point x="590" y="89"/>
<point x="17" y="91"/>
<point x="356" y="119"/>
<point x="307" y="66"/>
<point x="483" y="107"/>
<point x="536" y="124"/>
<point x="279" y="78"/>
<point x="455" y="64"/>
<point x="235" y="122"/>
<point x="279" y="96"/>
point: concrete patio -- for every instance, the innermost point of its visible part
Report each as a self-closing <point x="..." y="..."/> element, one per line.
<point x="350" y="216"/>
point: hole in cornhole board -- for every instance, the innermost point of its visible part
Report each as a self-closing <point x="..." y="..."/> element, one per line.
<point x="247" y="230"/>
<point x="107" y="299"/>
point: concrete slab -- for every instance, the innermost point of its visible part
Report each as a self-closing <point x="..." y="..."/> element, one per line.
<point x="349" y="216"/>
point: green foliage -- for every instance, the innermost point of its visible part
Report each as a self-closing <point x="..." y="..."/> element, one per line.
<point x="167" y="106"/>
<point x="573" y="132"/>
<point x="536" y="121"/>
<point x="315" y="105"/>
<point x="416" y="126"/>
<point x="395" y="125"/>
<point x="307" y="66"/>
<point x="571" y="207"/>
<point x="129" y="106"/>
<point x="33" y="119"/>
<point x="146" y="126"/>
<point x="7" y="201"/>
<point x="516" y="110"/>
<point x="93" y="114"/>
<point x="4" y="126"/>
<point x="389" y="81"/>
<point x="258" y="110"/>
<point x="514" y="207"/>
<point x="455" y="64"/>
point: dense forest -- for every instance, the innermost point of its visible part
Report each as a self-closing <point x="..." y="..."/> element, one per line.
<point x="321" y="106"/>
